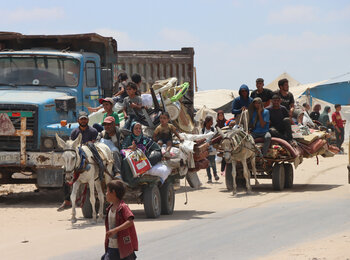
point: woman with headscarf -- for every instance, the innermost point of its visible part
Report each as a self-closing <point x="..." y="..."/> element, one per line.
<point x="259" y="120"/>
<point x="137" y="140"/>
<point x="324" y="117"/>
<point x="220" y="119"/>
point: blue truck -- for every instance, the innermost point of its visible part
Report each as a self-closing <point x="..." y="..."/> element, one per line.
<point x="46" y="80"/>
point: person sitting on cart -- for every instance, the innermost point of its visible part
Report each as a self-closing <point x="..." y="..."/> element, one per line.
<point x="132" y="104"/>
<point x="137" y="140"/>
<point x="241" y="103"/>
<point x="107" y="104"/>
<point x="112" y="132"/>
<point x="280" y="122"/>
<point x="259" y="121"/>
<point x="163" y="134"/>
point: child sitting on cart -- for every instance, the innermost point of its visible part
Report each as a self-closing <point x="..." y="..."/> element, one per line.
<point x="164" y="133"/>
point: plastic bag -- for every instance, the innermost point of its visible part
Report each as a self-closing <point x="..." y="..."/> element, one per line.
<point x="138" y="162"/>
<point x="161" y="170"/>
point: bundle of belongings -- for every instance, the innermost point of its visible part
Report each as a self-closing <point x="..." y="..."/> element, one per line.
<point x="313" y="142"/>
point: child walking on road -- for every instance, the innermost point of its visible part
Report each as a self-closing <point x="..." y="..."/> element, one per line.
<point x="208" y="123"/>
<point x="121" y="239"/>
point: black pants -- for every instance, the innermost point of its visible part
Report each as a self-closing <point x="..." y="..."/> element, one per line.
<point x="285" y="132"/>
<point x="339" y="137"/>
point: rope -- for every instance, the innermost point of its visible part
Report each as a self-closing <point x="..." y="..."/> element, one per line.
<point x="186" y="192"/>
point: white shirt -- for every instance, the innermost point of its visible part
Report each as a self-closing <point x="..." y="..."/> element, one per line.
<point x="113" y="242"/>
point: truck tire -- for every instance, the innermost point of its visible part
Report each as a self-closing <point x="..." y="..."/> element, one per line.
<point x="278" y="177"/>
<point x="289" y="175"/>
<point x="193" y="180"/>
<point x="152" y="201"/>
<point x="228" y="177"/>
<point x="167" y="196"/>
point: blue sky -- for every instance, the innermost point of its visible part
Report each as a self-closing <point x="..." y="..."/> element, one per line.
<point x="235" y="41"/>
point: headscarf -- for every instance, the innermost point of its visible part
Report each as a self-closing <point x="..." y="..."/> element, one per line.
<point x="134" y="137"/>
<point x="324" y="118"/>
<point x="220" y="123"/>
<point x="251" y="110"/>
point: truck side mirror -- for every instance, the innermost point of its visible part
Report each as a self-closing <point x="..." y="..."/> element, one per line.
<point x="106" y="82"/>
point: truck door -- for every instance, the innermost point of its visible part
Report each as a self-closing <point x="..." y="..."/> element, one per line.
<point x="91" y="88"/>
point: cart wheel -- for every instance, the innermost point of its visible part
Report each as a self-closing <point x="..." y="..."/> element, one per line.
<point x="278" y="177"/>
<point x="87" y="208"/>
<point x="289" y="175"/>
<point x="167" y="196"/>
<point x="228" y="177"/>
<point x="152" y="201"/>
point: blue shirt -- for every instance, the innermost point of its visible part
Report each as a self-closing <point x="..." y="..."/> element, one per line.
<point x="90" y="134"/>
<point x="266" y="117"/>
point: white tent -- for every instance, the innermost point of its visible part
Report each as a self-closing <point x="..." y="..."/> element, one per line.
<point x="214" y="99"/>
<point x="274" y="84"/>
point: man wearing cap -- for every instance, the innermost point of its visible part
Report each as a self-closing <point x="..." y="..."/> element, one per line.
<point x="89" y="134"/>
<point x="112" y="132"/>
<point x="280" y="122"/>
<point x="107" y="104"/>
<point x="261" y="92"/>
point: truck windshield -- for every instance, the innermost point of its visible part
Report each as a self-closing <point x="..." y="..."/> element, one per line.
<point x="39" y="71"/>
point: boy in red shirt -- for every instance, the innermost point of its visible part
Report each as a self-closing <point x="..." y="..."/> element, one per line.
<point x="121" y="239"/>
<point x="338" y="123"/>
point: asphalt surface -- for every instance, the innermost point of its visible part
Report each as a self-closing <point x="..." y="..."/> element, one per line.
<point x="246" y="233"/>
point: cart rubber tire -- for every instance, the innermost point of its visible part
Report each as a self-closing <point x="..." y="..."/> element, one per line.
<point x="228" y="177"/>
<point x="152" y="201"/>
<point x="86" y="208"/>
<point x="278" y="177"/>
<point x="167" y="196"/>
<point x="289" y="175"/>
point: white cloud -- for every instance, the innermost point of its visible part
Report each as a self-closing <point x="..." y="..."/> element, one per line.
<point x="34" y="14"/>
<point x="338" y="15"/>
<point x="125" y="42"/>
<point x="294" y="14"/>
<point x="181" y="38"/>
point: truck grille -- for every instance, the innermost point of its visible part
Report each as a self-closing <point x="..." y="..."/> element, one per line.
<point x="13" y="143"/>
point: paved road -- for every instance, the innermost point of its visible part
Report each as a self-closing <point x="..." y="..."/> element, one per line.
<point x="242" y="233"/>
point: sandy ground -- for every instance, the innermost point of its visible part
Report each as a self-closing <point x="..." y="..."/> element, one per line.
<point x="31" y="228"/>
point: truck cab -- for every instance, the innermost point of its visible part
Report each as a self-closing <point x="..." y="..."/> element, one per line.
<point x="45" y="81"/>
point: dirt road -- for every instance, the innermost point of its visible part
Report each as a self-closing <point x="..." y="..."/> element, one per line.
<point x="310" y="221"/>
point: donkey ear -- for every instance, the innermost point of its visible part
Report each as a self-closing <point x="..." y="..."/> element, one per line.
<point x="77" y="141"/>
<point x="220" y="132"/>
<point x="61" y="143"/>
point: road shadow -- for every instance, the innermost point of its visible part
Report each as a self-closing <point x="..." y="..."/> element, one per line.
<point x="33" y="199"/>
<point x="262" y="189"/>
<point x="85" y="223"/>
<point x="140" y="215"/>
<point x="188" y="189"/>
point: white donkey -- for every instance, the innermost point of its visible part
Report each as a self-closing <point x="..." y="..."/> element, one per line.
<point x="239" y="146"/>
<point x="80" y="167"/>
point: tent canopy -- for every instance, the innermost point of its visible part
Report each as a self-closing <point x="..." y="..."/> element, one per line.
<point x="274" y="84"/>
<point x="215" y="99"/>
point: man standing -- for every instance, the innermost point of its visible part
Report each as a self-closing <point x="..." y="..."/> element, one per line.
<point x="280" y="121"/>
<point x="338" y="123"/>
<point x="89" y="134"/>
<point x="287" y="98"/>
<point x="242" y="102"/>
<point x="261" y="92"/>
